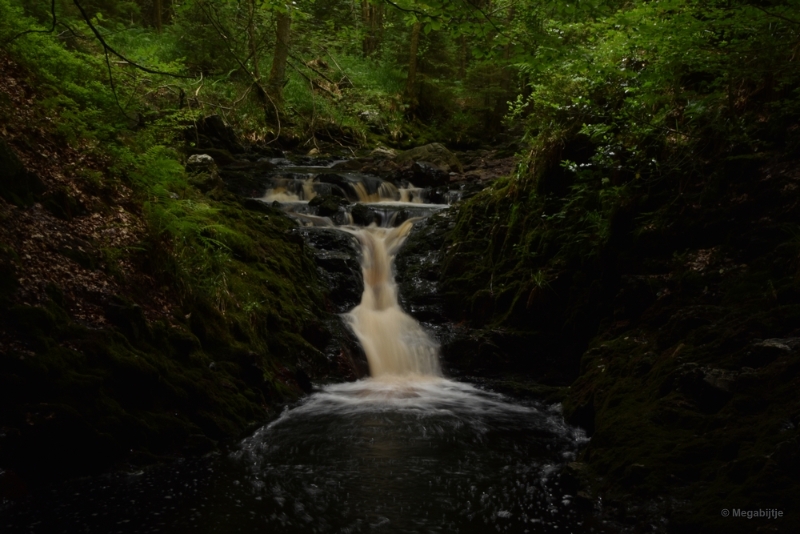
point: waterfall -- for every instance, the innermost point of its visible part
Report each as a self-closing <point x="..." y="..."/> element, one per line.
<point x="395" y="343"/>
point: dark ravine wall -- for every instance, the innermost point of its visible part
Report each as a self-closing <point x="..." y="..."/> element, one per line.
<point x="676" y="342"/>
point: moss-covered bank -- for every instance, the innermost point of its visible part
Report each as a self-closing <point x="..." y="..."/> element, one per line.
<point x="146" y="311"/>
<point x="671" y="311"/>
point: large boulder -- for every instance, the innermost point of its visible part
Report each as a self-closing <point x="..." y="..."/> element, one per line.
<point x="434" y="153"/>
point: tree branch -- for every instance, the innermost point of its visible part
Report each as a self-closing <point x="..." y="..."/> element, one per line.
<point x="407" y="10"/>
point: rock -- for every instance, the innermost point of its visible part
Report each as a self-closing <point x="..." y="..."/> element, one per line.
<point x="218" y="155"/>
<point x="331" y="178"/>
<point x="720" y="379"/>
<point x="348" y="165"/>
<point x="583" y="416"/>
<point x="709" y="389"/>
<point x="327" y="205"/>
<point x="434" y="153"/>
<point x="419" y="268"/>
<point x="423" y="174"/>
<point x="362" y="215"/>
<point x="381" y="167"/>
<point x="763" y="353"/>
<point x="335" y="254"/>
<point x="200" y="160"/>
<point x="206" y="182"/>
<point x="303" y="380"/>
<point x="17" y="185"/>
<point x="383" y="153"/>
<point x="369" y="116"/>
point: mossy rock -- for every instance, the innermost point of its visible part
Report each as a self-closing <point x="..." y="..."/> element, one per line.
<point x="328" y="205"/>
<point x="434" y="153"/>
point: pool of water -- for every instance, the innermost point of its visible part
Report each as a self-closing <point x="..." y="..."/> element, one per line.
<point x="407" y="455"/>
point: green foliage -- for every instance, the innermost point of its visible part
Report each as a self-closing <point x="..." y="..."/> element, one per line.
<point x="235" y="270"/>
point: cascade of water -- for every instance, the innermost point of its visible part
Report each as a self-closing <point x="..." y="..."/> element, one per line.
<point x="395" y="343"/>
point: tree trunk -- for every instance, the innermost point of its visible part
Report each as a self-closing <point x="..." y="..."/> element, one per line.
<point x="372" y="17"/>
<point x="157" y="11"/>
<point x="277" y="75"/>
<point x="411" y="81"/>
<point x="251" y="38"/>
<point x="462" y="59"/>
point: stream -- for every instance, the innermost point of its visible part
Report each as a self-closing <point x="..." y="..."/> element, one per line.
<point x="406" y="450"/>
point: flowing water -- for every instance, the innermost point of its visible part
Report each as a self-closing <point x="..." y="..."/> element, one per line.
<point x="406" y="450"/>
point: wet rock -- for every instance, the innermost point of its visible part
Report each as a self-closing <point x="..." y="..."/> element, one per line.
<point x="424" y="174"/>
<point x="435" y="154"/>
<point x="362" y="215"/>
<point x="303" y="380"/>
<point x="328" y="205"/>
<point x="336" y="255"/>
<point x="419" y="268"/>
<point x="345" y="355"/>
<point x="583" y="416"/>
<point x="332" y="178"/>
